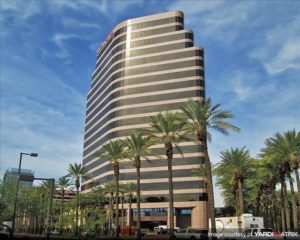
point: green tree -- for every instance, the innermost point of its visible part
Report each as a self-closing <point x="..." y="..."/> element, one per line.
<point x="76" y="172"/>
<point x="201" y="116"/>
<point x="63" y="183"/>
<point x="282" y="149"/>
<point x="167" y="129"/>
<point x="113" y="151"/>
<point x="138" y="146"/>
<point x="234" y="168"/>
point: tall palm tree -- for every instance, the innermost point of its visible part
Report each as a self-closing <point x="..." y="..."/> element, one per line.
<point x="113" y="151"/>
<point x="110" y="188"/>
<point x="283" y="149"/>
<point x="203" y="115"/>
<point x="138" y="146"/>
<point x="235" y="167"/>
<point x="76" y="172"/>
<point x="167" y="129"/>
<point x="290" y="149"/>
<point x="63" y="183"/>
<point x="129" y="189"/>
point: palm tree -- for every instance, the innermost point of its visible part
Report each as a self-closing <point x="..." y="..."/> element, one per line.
<point x="234" y="168"/>
<point x="98" y="192"/>
<point x="203" y="115"/>
<point x="113" y="151"/>
<point x="129" y="189"/>
<point x="283" y="149"/>
<point x="167" y="129"/>
<point x="110" y="187"/>
<point x="63" y="183"/>
<point x="76" y="172"/>
<point x="137" y="146"/>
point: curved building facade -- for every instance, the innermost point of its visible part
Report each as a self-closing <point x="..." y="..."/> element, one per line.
<point x="145" y="66"/>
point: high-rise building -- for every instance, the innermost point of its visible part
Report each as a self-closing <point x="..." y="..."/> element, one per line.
<point x="145" y="66"/>
<point x="12" y="175"/>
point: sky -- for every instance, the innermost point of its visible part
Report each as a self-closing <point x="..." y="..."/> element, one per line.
<point x="48" y="53"/>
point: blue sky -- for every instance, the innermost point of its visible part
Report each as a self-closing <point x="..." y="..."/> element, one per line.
<point x="48" y="53"/>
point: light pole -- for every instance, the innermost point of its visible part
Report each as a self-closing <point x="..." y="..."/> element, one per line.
<point x="17" y="189"/>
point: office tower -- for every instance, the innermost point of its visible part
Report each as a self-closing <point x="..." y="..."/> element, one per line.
<point x="145" y="66"/>
<point x="12" y="174"/>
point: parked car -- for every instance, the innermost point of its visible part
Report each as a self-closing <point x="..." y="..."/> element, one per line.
<point x="162" y="229"/>
<point x="5" y="232"/>
<point x="190" y="233"/>
<point x="89" y="233"/>
<point x="54" y="232"/>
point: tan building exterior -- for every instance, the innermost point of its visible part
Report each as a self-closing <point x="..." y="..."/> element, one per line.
<point x="145" y="66"/>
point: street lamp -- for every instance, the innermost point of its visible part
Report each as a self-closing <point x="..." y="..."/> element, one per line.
<point x="17" y="189"/>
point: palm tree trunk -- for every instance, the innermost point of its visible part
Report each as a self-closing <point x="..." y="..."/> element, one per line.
<point x="298" y="185"/>
<point x="202" y="137"/>
<point x="77" y="210"/>
<point x="130" y="213"/>
<point x="286" y="207"/>
<point x="138" y="201"/>
<point x="117" y="201"/>
<point x="283" y="222"/>
<point x="169" y="154"/>
<point x="274" y="210"/>
<point x="241" y="196"/>
<point x="111" y="213"/>
<point x="294" y="202"/>
<point x="240" y="204"/>
<point x="122" y="203"/>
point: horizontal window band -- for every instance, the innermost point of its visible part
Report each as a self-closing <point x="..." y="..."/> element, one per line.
<point x="114" y="133"/>
<point x="104" y="78"/>
<point x="149" y="41"/>
<point x="135" y="27"/>
<point x="163" y="106"/>
<point x="98" y="126"/>
<point x="126" y="91"/>
<point x="145" y="164"/>
<point x="155" y="78"/>
<point x="113" y="65"/>
<point x="183" y="93"/>
<point x="159" y="66"/>
<point x="124" y="96"/>
<point x="134" y="110"/>
<point x="104" y="122"/>
<point x="112" y="123"/>
<point x="157" y="150"/>
<point x="149" y="99"/>
<point x="122" y="43"/>
<point x="177" y="185"/>
<point x="161" y="180"/>
<point x="177" y="173"/>
<point x="145" y="33"/>
<point x="189" y="149"/>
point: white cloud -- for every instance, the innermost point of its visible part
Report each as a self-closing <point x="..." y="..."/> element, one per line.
<point x="20" y="10"/>
<point x="59" y="39"/>
<point x="73" y="23"/>
<point x="39" y="113"/>
<point x="81" y="6"/>
<point x="218" y="20"/>
<point x="280" y="49"/>
<point x="288" y="57"/>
